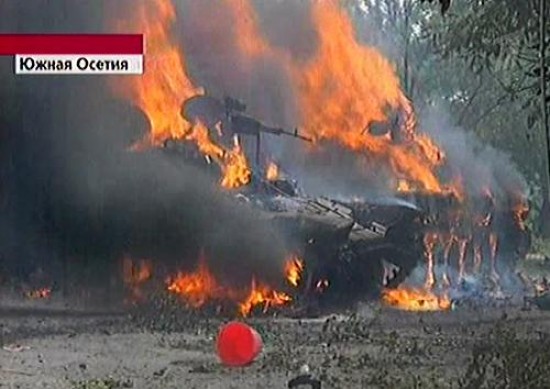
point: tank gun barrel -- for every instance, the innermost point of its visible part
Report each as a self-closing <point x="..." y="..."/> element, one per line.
<point x="242" y="124"/>
<point x="280" y="131"/>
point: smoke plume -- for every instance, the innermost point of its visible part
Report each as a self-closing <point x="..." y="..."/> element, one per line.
<point x="71" y="189"/>
<point x="481" y="166"/>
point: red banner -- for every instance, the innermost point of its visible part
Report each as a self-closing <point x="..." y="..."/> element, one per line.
<point x="65" y="44"/>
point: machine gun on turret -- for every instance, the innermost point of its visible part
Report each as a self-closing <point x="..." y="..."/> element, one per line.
<point x="243" y="124"/>
<point x="231" y="114"/>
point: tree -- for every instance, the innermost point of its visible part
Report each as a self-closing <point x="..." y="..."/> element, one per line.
<point x="507" y="39"/>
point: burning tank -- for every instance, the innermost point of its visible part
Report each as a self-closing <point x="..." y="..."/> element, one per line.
<point x="356" y="247"/>
<point x="435" y="217"/>
<point x="365" y="246"/>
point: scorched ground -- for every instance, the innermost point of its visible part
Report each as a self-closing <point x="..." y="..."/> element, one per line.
<point x="298" y="192"/>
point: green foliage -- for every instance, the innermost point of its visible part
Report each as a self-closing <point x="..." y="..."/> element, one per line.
<point x="503" y="37"/>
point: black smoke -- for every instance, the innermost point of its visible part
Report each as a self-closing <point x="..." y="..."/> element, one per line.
<point x="71" y="190"/>
<point x="209" y="37"/>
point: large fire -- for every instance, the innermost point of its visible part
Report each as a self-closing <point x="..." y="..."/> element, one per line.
<point x="165" y="86"/>
<point x="200" y="287"/>
<point x="346" y="87"/>
<point x="410" y="299"/>
<point x="341" y="91"/>
<point x="425" y="299"/>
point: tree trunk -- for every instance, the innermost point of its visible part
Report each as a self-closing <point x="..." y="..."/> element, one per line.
<point x="545" y="213"/>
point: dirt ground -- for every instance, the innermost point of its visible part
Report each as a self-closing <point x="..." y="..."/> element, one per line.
<point x="373" y="347"/>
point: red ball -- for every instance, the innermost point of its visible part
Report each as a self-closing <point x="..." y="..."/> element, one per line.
<point x="238" y="344"/>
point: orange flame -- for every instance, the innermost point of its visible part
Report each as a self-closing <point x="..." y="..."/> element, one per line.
<point x="346" y="87"/>
<point x="200" y="287"/>
<point x="262" y="294"/>
<point x="236" y="172"/>
<point x="409" y="299"/>
<point x="293" y="270"/>
<point x="165" y="86"/>
<point x="341" y="91"/>
<point x="247" y="32"/>
<point x="430" y="240"/>
<point x="521" y="211"/>
<point x="404" y="186"/>
<point x="200" y="135"/>
<point x="233" y="162"/>
<point x="272" y="172"/>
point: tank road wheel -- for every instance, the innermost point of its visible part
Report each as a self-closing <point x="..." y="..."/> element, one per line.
<point x="353" y="277"/>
